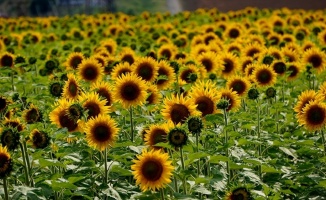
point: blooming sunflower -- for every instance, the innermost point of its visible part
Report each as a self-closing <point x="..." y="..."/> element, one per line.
<point x="10" y="138"/>
<point x="104" y="90"/>
<point x="290" y="55"/>
<point x="93" y="104"/>
<point x="128" y="55"/>
<point x="90" y="70"/>
<point x="14" y="123"/>
<point x="232" y="32"/>
<point x="322" y="37"/>
<point x="39" y="139"/>
<point x="157" y="133"/>
<point x="263" y="75"/>
<point x="101" y="131"/>
<point x="232" y="97"/>
<point x="146" y="68"/>
<point x="229" y="64"/>
<point x="188" y="74"/>
<point x="316" y="58"/>
<point x="294" y="70"/>
<point x="152" y="170"/>
<point x="279" y="67"/>
<point x="304" y="98"/>
<point x="7" y="60"/>
<point x="322" y="90"/>
<point x="252" y="50"/>
<point x="71" y="89"/>
<point x="238" y="84"/>
<point x="154" y="95"/>
<point x="313" y="116"/>
<point x="238" y="193"/>
<point x="110" y="45"/>
<point x="166" y="75"/>
<point x="205" y="99"/>
<point x="59" y="117"/>
<point x="130" y="90"/>
<point x="3" y="103"/>
<point x="32" y="114"/>
<point x="209" y="61"/>
<point x="178" y="109"/>
<point x="167" y="51"/>
<point x="6" y="164"/>
<point x="120" y="69"/>
<point x="73" y="60"/>
<point x="244" y="62"/>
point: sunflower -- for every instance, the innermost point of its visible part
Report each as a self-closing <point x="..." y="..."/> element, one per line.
<point x="6" y="164"/>
<point x="177" y="137"/>
<point x="3" y="103"/>
<point x="56" y="88"/>
<point x="322" y="37"/>
<point x="101" y="60"/>
<point x="93" y="105"/>
<point x="313" y="116"/>
<point x="146" y="68"/>
<point x="90" y="70"/>
<point x="316" y="58"/>
<point x="110" y="45"/>
<point x="198" y="49"/>
<point x="71" y="88"/>
<point x="121" y="69"/>
<point x="154" y="95"/>
<point x="232" y="97"/>
<point x="166" y="75"/>
<point x="178" y="109"/>
<point x="59" y="117"/>
<point x="238" y="84"/>
<point x="101" y="132"/>
<point x="252" y="50"/>
<point x="304" y="98"/>
<point x="73" y="60"/>
<point x="195" y="124"/>
<point x="14" y="123"/>
<point x="232" y="32"/>
<point x="273" y="39"/>
<point x="229" y="64"/>
<point x="157" y="133"/>
<point x="290" y="55"/>
<point x="238" y="193"/>
<point x="32" y="114"/>
<point x="244" y="63"/>
<point x="167" y="51"/>
<point x="322" y="90"/>
<point x="264" y="76"/>
<point x="279" y="67"/>
<point x="294" y="70"/>
<point x="39" y="139"/>
<point x="205" y="99"/>
<point x="189" y="74"/>
<point x="130" y="90"/>
<point x="209" y="37"/>
<point x="10" y="138"/>
<point x="104" y="90"/>
<point x="7" y="60"/>
<point x="152" y="170"/>
<point x="128" y="55"/>
<point x="209" y="61"/>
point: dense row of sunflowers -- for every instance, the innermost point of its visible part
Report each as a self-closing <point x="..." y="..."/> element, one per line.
<point x="198" y="105"/>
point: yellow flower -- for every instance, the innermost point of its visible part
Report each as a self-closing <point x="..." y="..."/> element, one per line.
<point x="313" y="116"/>
<point x="90" y="70"/>
<point x="5" y="162"/>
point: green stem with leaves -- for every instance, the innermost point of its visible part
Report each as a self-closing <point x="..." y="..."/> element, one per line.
<point x="131" y="126"/>
<point x="259" y="136"/>
<point x="323" y="141"/>
<point x="5" y="188"/>
<point x="183" y="169"/>
<point x="106" y="165"/>
<point x="28" y="164"/>
<point x="226" y="143"/>
<point x="25" y="164"/>
<point x="162" y="193"/>
<point x="198" y="162"/>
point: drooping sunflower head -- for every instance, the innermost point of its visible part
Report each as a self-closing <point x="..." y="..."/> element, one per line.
<point x="166" y="75"/>
<point x="146" y="68"/>
<point x="6" y="164"/>
<point x="73" y="60"/>
<point x="195" y="124"/>
<point x="238" y="193"/>
<point x="72" y="88"/>
<point x="205" y="99"/>
<point x="75" y="111"/>
<point x="7" y="60"/>
<point x="177" y="137"/>
<point x="56" y="88"/>
<point x="14" y="124"/>
<point x="152" y="170"/>
<point x="232" y="97"/>
<point x="39" y="139"/>
<point x="90" y="70"/>
<point x="313" y="116"/>
<point x="10" y="138"/>
<point x="104" y="90"/>
<point x="263" y="75"/>
<point x="59" y="117"/>
<point x="130" y="90"/>
<point x="101" y="132"/>
<point x="93" y="104"/>
<point x="32" y="114"/>
<point x="316" y="58"/>
<point x="270" y="92"/>
<point x="304" y="98"/>
<point x="178" y="108"/>
<point x="238" y="84"/>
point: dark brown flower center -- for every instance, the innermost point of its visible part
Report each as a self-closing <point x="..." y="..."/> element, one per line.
<point x="93" y="109"/>
<point x="208" y="64"/>
<point x="252" y="52"/>
<point x="145" y="71"/>
<point x="264" y="76"/>
<point x="3" y="104"/>
<point x="316" y="115"/>
<point x="105" y="94"/>
<point x="128" y="58"/>
<point x="162" y="72"/>
<point x="294" y="71"/>
<point x="7" y="61"/>
<point x="279" y="67"/>
<point x="239" y="86"/>
<point x="75" y="61"/>
<point x="185" y="74"/>
<point x="102" y="133"/>
<point x="90" y="73"/>
<point x="130" y="91"/>
<point x="315" y="60"/>
<point x="73" y="88"/>
<point x="205" y="105"/>
<point x="158" y="135"/>
<point x="179" y="113"/>
<point x="152" y="170"/>
<point x="166" y="53"/>
<point x="66" y="122"/>
<point x="234" y="33"/>
<point x="228" y="65"/>
<point x="32" y="115"/>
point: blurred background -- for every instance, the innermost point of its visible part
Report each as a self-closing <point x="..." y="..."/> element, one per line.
<point x="15" y="8"/>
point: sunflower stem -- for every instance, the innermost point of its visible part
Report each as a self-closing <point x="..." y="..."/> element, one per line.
<point x="28" y="164"/>
<point x="162" y="193"/>
<point x="12" y="81"/>
<point x="226" y="141"/>
<point x="183" y="169"/>
<point x="25" y="164"/>
<point x="174" y="177"/>
<point x="131" y="125"/>
<point x="5" y="188"/>
<point x="323" y="141"/>
<point x="258" y="133"/>
<point x="198" y="162"/>
<point x="106" y="165"/>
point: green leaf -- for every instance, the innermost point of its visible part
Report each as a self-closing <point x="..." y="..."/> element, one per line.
<point x="201" y="189"/>
<point x="216" y="159"/>
<point x="48" y="163"/>
<point x="269" y="169"/>
<point x="204" y="180"/>
<point x="214" y="117"/>
<point x="194" y="157"/>
<point x="290" y="152"/>
<point x="322" y="183"/>
<point x="74" y="179"/>
<point x="122" y="172"/>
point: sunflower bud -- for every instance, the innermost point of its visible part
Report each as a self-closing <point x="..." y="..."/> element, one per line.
<point x="56" y="89"/>
<point x="195" y="124"/>
<point x="10" y="138"/>
<point x="177" y="137"/>
<point x="223" y="104"/>
<point x="270" y="92"/>
<point x="253" y="93"/>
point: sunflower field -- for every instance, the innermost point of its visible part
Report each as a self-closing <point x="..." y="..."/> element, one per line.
<point x="197" y="105"/>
